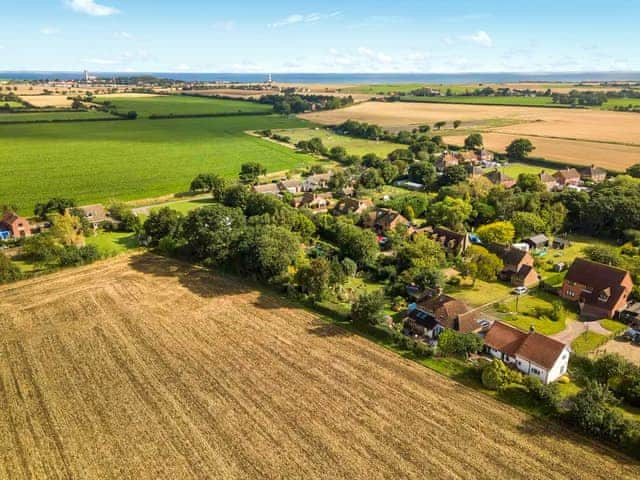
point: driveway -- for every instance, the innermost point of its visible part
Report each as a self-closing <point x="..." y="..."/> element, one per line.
<point x="575" y="329"/>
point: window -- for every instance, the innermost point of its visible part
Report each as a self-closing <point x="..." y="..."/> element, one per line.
<point x="535" y="371"/>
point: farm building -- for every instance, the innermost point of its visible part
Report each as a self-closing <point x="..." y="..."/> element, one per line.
<point x="600" y="290"/>
<point x="15" y="225"/>
<point x="531" y="353"/>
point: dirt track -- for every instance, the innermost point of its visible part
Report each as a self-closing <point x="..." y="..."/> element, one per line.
<point x="144" y="368"/>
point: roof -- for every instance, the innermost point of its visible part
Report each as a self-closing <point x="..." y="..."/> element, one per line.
<point x="593" y="171"/>
<point x="10" y="217"/>
<point x="512" y="256"/>
<point x="537" y="239"/>
<point x="446" y="309"/>
<point x="385" y="217"/>
<point x="266" y="188"/>
<point x="605" y="283"/>
<point x="534" y="347"/>
<point x="568" y="173"/>
<point x="349" y="205"/>
<point x="547" y="178"/>
<point x="95" y="213"/>
<point x="290" y="183"/>
<point x="498" y="177"/>
<point x="319" y="177"/>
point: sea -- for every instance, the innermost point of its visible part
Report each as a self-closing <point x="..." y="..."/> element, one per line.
<point x="342" y="78"/>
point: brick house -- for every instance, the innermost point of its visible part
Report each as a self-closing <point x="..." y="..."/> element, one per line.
<point x="568" y="177"/>
<point x="16" y="225"/>
<point x="316" y="201"/>
<point x="447" y="159"/>
<point x="383" y="220"/>
<point x="352" y="205"/>
<point x="600" y="290"/>
<point x="518" y="267"/>
<point x="548" y="180"/>
<point x="433" y="315"/>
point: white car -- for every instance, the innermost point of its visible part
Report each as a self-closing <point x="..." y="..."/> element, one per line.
<point x="520" y="290"/>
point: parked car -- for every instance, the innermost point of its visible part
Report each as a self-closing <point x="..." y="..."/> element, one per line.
<point x="520" y="290"/>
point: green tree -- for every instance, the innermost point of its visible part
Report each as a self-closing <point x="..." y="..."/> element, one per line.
<point x="453" y="175"/>
<point x="519" y="149"/>
<point x="314" y="277"/>
<point x="422" y="172"/>
<point x="250" y="171"/>
<point x="371" y="178"/>
<point x="212" y="233"/>
<point x="528" y="223"/>
<point x="451" y="212"/>
<point x="558" y="312"/>
<point x="495" y="375"/>
<point x="530" y="182"/>
<point x="457" y="123"/>
<point x="497" y="232"/>
<point x="452" y="343"/>
<point x="53" y="205"/>
<point x="634" y="170"/>
<point x="339" y="154"/>
<point x="359" y="245"/>
<point x="162" y="223"/>
<point x="473" y="141"/>
<point x="368" y="308"/>
<point x="271" y="250"/>
<point x="9" y="271"/>
<point x="439" y="125"/>
<point x="483" y="264"/>
<point x="236" y="196"/>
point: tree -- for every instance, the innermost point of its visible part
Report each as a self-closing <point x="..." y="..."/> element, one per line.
<point x="497" y="232"/>
<point x="9" y="271"/>
<point x="483" y="264"/>
<point x="368" y="308"/>
<point x="339" y="154"/>
<point x="473" y="141"/>
<point x="350" y="267"/>
<point x="314" y="277"/>
<point x="457" y="123"/>
<point x="609" y="366"/>
<point x="209" y="182"/>
<point x="439" y="125"/>
<point x="132" y="115"/>
<point x="530" y="182"/>
<point x="527" y="224"/>
<point x="422" y="172"/>
<point x="420" y="252"/>
<point x="123" y="213"/>
<point x="53" y="205"/>
<point x="212" y="233"/>
<point x="371" y="178"/>
<point x="452" y="343"/>
<point x="453" y="175"/>
<point x="634" y="170"/>
<point x="67" y="230"/>
<point x="250" y="171"/>
<point x="519" y="149"/>
<point x="388" y="171"/>
<point x="495" y="375"/>
<point x="235" y="196"/>
<point x="451" y="212"/>
<point x="558" y="312"/>
<point x="162" y="223"/>
<point x="603" y="254"/>
<point x="270" y="250"/>
<point x="359" y="245"/>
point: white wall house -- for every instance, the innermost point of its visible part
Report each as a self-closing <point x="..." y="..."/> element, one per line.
<point x="531" y="353"/>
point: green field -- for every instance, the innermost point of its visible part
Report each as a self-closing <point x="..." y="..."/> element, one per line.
<point x="41" y="116"/>
<point x="11" y="104"/>
<point x="356" y="146"/>
<point x="390" y="88"/>
<point x="515" y="169"/>
<point x="182" y="105"/>
<point x="621" y="102"/>
<point x="509" y="101"/>
<point x="126" y="160"/>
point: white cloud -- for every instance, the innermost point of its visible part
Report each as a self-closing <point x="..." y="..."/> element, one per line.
<point x="49" y="31"/>
<point x="90" y="7"/>
<point x="183" y="67"/>
<point x="102" y="61"/>
<point x="377" y="56"/>
<point x="125" y="35"/>
<point x="481" y="38"/>
<point x="308" y="18"/>
<point x="225" y="25"/>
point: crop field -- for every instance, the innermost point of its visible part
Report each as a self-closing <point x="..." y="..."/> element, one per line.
<point x="518" y="101"/>
<point x="182" y="105"/>
<point x="127" y="160"/>
<point x="357" y="146"/>
<point x="579" y="136"/>
<point x="40" y="116"/>
<point x="11" y="104"/>
<point x="140" y="367"/>
<point x="40" y="101"/>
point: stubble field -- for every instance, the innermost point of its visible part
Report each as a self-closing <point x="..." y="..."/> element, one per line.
<point x="579" y="136"/>
<point x="146" y="368"/>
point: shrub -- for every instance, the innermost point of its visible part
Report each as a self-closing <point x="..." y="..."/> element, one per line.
<point x="496" y="375"/>
<point x="9" y="272"/>
<point x="367" y="309"/>
<point x="547" y="395"/>
<point x="564" y="379"/>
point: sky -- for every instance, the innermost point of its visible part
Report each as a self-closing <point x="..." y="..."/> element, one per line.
<point x="328" y="36"/>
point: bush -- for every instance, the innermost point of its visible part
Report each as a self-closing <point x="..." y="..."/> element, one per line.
<point x="547" y="395"/>
<point x="564" y="379"/>
<point x="9" y="272"/>
<point x="367" y="309"/>
<point x="496" y="375"/>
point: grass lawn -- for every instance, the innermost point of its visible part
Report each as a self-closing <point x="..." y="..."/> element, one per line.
<point x="568" y="255"/>
<point x="95" y="162"/>
<point x="621" y="102"/>
<point x="110" y="244"/>
<point x="614" y="326"/>
<point x="11" y="104"/>
<point x="185" y="206"/>
<point x="515" y="101"/>
<point x="480" y="294"/>
<point x="588" y="342"/>
<point x="42" y="116"/>
<point x="182" y="105"/>
<point x="356" y="146"/>
<point x="515" y="169"/>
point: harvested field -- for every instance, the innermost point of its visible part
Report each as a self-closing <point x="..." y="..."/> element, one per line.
<point x="145" y="368"/>
<point x="551" y="129"/>
<point x="606" y="155"/>
<point x="41" y="101"/>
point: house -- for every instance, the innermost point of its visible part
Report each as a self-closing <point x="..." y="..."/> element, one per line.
<point x="549" y="181"/>
<point x="267" y="189"/>
<point x="15" y="225"/>
<point x="319" y="181"/>
<point x="352" y="205"/>
<point x="454" y="243"/>
<point x="532" y="353"/>
<point x="567" y="177"/>
<point x="433" y="315"/>
<point x="447" y="159"/>
<point x="498" y="177"/>
<point x="600" y="290"/>
<point x="96" y="214"/>
<point x="485" y="156"/>
<point x="383" y="220"/>
<point x="518" y="267"/>
<point x="319" y="201"/>
<point x="291" y="186"/>
<point x="537" y="241"/>
<point x="593" y="174"/>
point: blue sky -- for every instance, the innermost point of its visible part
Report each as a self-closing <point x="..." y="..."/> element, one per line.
<point x="328" y="36"/>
